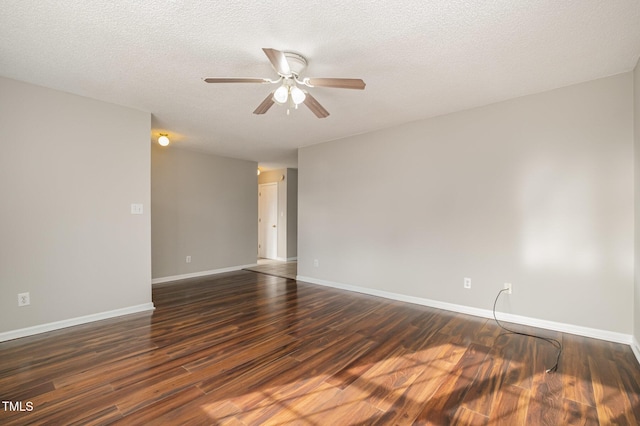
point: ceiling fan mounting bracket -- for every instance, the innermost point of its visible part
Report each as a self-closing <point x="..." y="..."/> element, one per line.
<point x="297" y="62"/>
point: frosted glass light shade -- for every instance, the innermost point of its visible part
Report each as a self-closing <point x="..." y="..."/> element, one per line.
<point x="281" y="94"/>
<point x="297" y="95"/>
<point x="163" y="140"/>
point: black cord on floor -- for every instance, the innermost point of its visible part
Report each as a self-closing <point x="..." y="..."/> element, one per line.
<point x="554" y="342"/>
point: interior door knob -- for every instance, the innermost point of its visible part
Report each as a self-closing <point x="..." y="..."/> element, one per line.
<point x="274" y="226"/>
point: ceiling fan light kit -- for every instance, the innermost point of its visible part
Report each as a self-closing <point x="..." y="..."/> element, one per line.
<point x="289" y="66"/>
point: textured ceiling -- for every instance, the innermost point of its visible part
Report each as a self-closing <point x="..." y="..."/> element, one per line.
<point x="419" y="59"/>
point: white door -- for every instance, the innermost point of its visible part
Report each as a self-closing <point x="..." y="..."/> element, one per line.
<point x="268" y="220"/>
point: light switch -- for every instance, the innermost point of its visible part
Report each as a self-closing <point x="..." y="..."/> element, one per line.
<point x="136" y="208"/>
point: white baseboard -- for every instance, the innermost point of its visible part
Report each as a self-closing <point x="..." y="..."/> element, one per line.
<point x="200" y="274"/>
<point x="635" y="347"/>
<point x="43" y="328"/>
<point x="286" y="259"/>
<point x="485" y="313"/>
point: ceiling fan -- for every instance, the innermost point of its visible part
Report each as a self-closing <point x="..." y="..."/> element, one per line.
<point x="289" y="65"/>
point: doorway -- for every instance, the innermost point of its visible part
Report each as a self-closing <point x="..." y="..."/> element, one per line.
<point x="268" y="220"/>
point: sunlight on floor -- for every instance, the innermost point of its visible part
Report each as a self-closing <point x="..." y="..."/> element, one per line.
<point x="365" y="391"/>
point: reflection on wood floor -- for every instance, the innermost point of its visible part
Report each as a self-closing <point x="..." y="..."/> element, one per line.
<point x="243" y="348"/>
<point x="276" y="268"/>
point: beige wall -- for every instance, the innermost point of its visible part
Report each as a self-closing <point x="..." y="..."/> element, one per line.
<point x="292" y="214"/>
<point x="636" y="120"/>
<point x="203" y="206"/>
<point x="536" y="191"/>
<point x="69" y="170"/>
<point x="287" y="180"/>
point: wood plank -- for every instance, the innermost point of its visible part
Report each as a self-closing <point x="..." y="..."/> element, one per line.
<point x="296" y="408"/>
<point x="153" y="412"/>
<point x="433" y="367"/>
<point x="575" y="370"/>
<point x="441" y="408"/>
<point x="511" y="406"/>
<point x="483" y="392"/>
<point x="613" y="407"/>
<point x="574" y="413"/>
<point x="546" y="404"/>
<point x="310" y="374"/>
<point x="464" y="416"/>
<point x="379" y="351"/>
<point x="379" y="385"/>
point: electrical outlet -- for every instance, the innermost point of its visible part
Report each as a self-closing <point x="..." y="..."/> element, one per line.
<point x="507" y="286"/>
<point x="24" y="299"/>
<point x="467" y="283"/>
<point x="316" y="263"/>
<point x="188" y="259"/>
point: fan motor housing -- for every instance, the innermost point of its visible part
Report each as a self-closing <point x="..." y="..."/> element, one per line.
<point x="297" y="62"/>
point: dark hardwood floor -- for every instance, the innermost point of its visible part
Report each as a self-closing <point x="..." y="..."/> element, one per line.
<point x="245" y="349"/>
